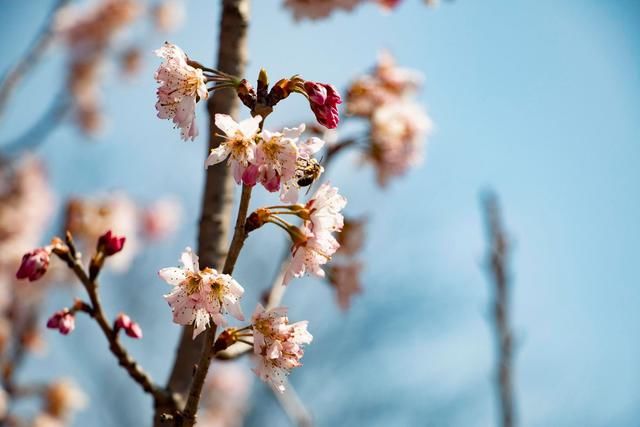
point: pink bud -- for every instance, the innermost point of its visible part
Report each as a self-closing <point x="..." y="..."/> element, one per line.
<point x="389" y="4"/>
<point x="250" y="175"/>
<point x="272" y="184"/>
<point x="63" y="320"/>
<point x="34" y="264"/>
<point x="324" y="100"/>
<point x="134" y="331"/>
<point x="131" y="328"/>
<point x="110" y="243"/>
<point x="122" y="321"/>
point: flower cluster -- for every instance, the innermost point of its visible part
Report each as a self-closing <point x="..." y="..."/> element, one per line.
<point x="277" y="160"/>
<point x="201" y="296"/>
<point x="398" y="125"/>
<point x="277" y="344"/>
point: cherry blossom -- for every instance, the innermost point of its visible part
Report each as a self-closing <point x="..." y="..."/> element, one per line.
<point x="309" y="252"/>
<point x="239" y="145"/>
<point x="351" y="238"/>
<point x="277" y="344"/>
<point x="324" y="209"/>
<point x="199" y="296"/>
<point x="276" y="158"/>
<point x="388" y="83"/>
<point x="318" y="9"/>
<point x="397" y="139"/>
<point x="345" y="278"/>
<point x="181" y="86"/>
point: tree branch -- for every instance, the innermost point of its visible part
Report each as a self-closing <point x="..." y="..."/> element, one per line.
<point x="135" y="371"/>
<point x="498" y="255"/>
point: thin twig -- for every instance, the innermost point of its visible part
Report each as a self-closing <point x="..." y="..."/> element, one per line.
<point x="135" y="371"/>
<point x="498" y="273"/>
<point x="32" y="56"/>
<point x="294" y="407"/>
<point x="187" y="419"/>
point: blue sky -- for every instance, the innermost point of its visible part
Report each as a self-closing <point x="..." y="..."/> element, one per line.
<point x="536" y="99"/>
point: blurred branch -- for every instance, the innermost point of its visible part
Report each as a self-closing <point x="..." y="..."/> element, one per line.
<point x="32" y="56"/>
<point x="294" y="407"/>
<point x="498" y="255"/>
<point x="40" y="130"/>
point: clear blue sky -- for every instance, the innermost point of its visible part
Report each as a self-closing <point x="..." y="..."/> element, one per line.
<point x="537" y="99"/>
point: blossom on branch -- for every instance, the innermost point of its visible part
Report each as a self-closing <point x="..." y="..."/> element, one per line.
<point x="308" y="169"/>
<point x="34" y="264"/>
<point x="397" y="139"/>
<point x="239" y="145"/>
<point x="323" y="100"/>
<point x="277" y="344"/>
<point x="345" y="279"/>
<point x="276" y="158"/>
<point x="181" y="86"/>
<point x="201" y="296"/>
<point x="131" y="328"/>
<point x="63" y="320"/>
<point x="110" y="244"/>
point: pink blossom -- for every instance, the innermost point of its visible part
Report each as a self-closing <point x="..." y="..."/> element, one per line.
<point x="276" y="157"/>
<point x="199" y="296"/>
<point x="345" y="278"/>
<point x="161" y="218"/>
<point x="34" y="264"/>
<point x="324" y="209"/>
<point x="110" y="243"/>
<point x="319" y="9"/>
<point x="181" y="87"/>
<point x="62" y="320"/>
<point x="324" y="99"/>
<point x="131" y="328"/>
<point x="169" y="15"/>
<point x="309" y="252"/>
<point x="352" y="236"/>
<point x="388" y="83"/>
<point x="239" y="145"/>
<point x="277" y="344"/>
<point x="397" y="139"/>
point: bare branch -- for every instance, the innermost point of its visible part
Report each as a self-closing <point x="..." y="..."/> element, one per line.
<point x="498" y="255"/>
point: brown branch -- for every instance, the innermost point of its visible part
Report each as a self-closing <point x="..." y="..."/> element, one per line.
<point x="35" y="52"/>
<point x="188" y="416"/>
<point x="218" y="190"/>
<point x="160" y="395"/>
<point x="498" y="258"/>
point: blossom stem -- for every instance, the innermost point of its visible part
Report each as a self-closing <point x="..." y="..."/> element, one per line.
<point x="188" y="416"/>
<point x="135" y="371"/>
